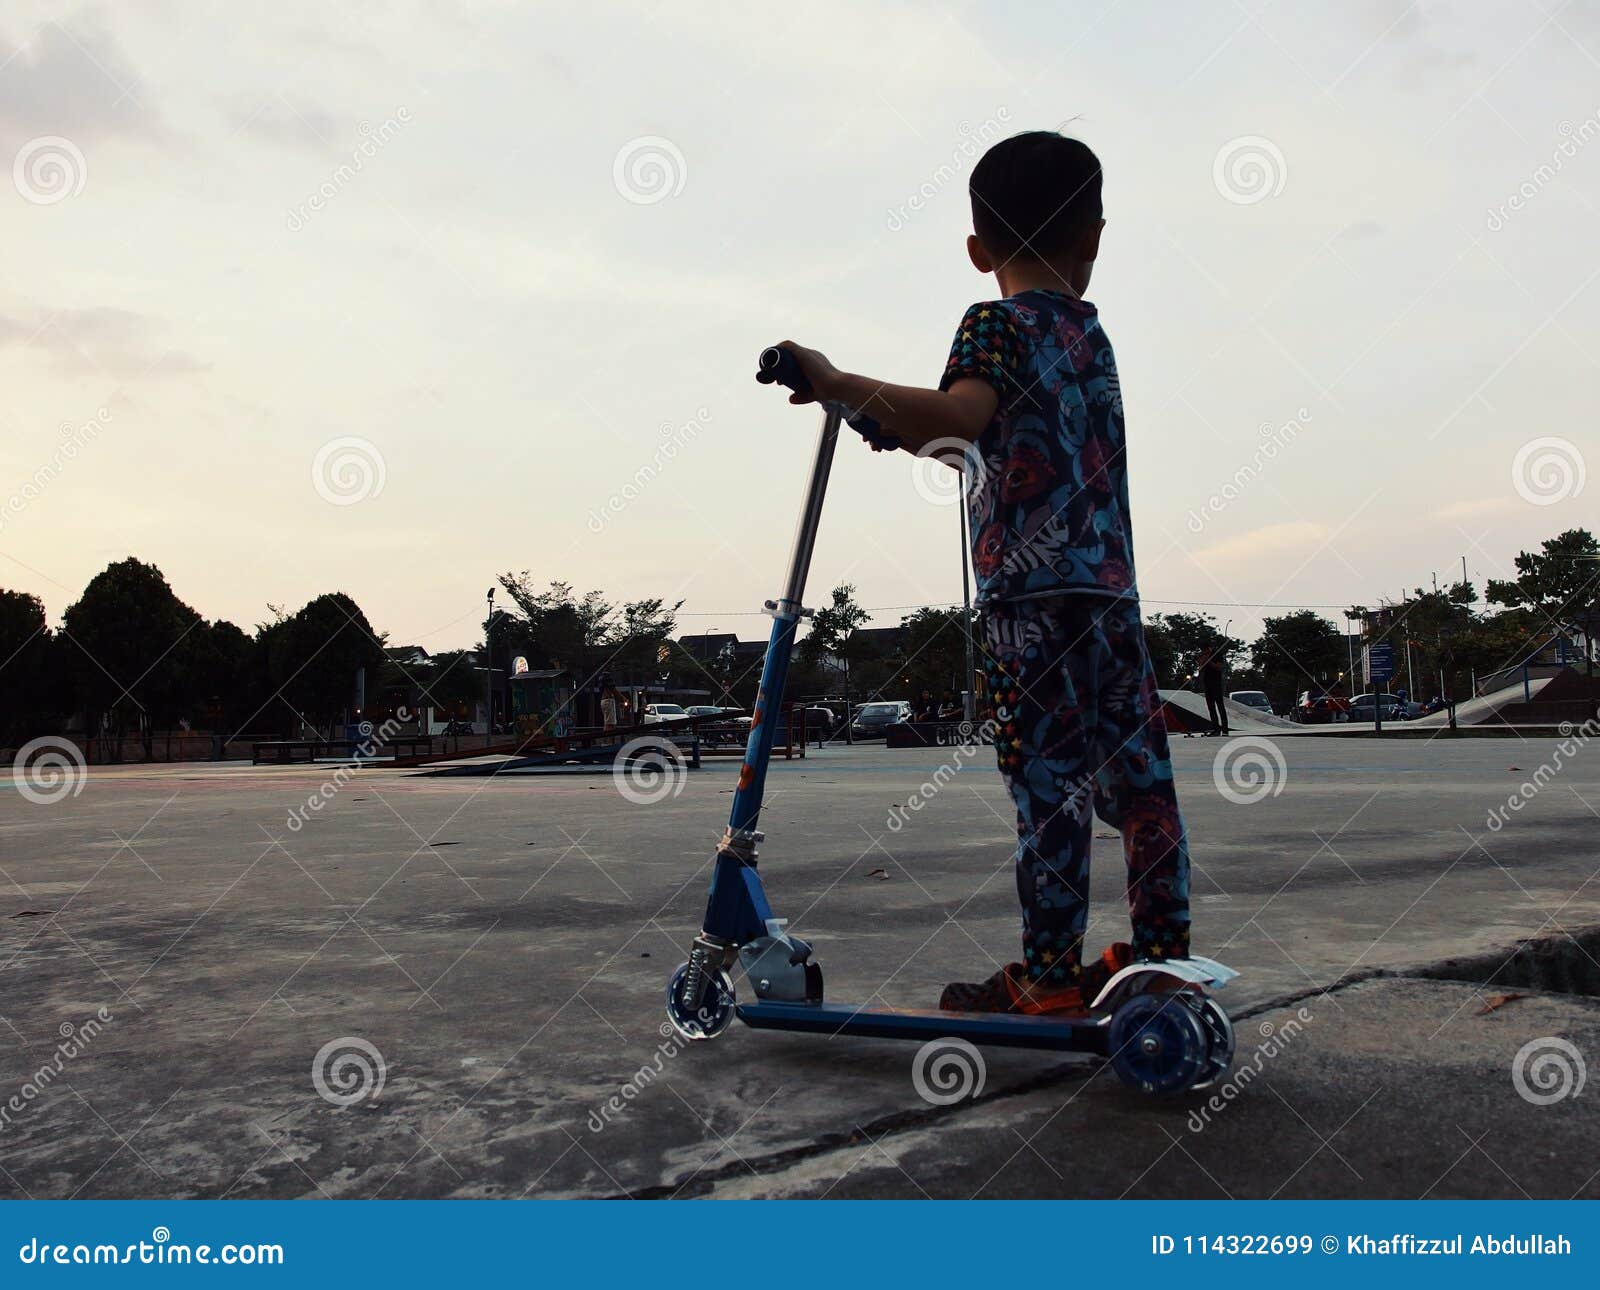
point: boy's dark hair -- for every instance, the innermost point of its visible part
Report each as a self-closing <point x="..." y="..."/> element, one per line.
<point x="1034" y="194"/>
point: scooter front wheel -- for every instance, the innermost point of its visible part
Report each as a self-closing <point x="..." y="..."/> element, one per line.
<point x="712" y="1017"/>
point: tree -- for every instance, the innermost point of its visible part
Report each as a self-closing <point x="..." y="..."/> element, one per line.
<point x="1192" y="637"/>
<point x="133" y="645"/>
<point x="26" y="655"/>
<point x="1559" y="585"/>
<point x="553" y="628"/>
<point x="1298" y="651"/>
<point x="224" y="674"/>
<point x="932" y="654"/>
<point x="832" y="636"/>
<point x="317" y="654"/>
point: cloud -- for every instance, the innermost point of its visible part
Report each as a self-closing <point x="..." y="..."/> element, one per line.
<point x="1273" y="539"/>
<point x="99" y="341"/>
<point x="1471" y="506"/>
<point x="278" y="121"/>
<point x="77" y="83"/>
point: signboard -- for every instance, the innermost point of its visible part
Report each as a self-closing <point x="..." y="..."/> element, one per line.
<point x="1380" y="663"/>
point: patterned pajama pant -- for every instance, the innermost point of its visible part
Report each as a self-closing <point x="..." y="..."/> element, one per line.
<point x="1080" y="733"/>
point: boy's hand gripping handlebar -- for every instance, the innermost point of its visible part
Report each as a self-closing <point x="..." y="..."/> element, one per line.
<point x="780" y="367"/>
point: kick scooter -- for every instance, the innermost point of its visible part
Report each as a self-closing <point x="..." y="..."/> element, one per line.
<point x="1154" y="1020"/>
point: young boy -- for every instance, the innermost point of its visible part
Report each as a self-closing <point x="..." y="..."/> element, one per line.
<point x="1030" y="390"/>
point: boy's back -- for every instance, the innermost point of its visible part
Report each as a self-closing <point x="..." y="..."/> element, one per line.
<point x="1030" y="391"/>
<point x="1047" y="491"/>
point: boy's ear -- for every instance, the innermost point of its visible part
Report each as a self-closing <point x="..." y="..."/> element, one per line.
<point x="979" y="257"/>
<point x="1089" y="243"/>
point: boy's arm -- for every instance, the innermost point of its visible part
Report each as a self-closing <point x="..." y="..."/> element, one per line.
<point x="913" y="415"/>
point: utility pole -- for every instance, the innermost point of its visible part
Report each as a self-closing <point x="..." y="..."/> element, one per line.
<point x="967" y="696"/>
<point x="488" y="673"/>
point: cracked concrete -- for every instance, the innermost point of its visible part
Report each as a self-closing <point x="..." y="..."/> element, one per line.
<point x="509" y="976"/>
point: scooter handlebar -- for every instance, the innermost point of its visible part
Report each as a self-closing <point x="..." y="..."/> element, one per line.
<point x="779" y="366"/>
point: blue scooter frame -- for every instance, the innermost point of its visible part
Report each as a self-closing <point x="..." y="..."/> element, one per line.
<point x="1155" y="1022"/>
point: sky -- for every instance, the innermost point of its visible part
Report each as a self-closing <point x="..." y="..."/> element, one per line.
<point x="393" y="298"/>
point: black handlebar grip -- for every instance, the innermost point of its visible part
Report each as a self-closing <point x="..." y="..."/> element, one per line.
<point x="780" y="367"/>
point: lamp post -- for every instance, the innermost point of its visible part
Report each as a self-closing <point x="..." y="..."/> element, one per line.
<point x="488" y="672"/>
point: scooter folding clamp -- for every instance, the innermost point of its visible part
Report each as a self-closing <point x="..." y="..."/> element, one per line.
<point x="741" y="844"/>
<point x="783" y="610"/>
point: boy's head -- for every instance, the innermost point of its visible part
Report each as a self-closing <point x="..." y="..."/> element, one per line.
<point x="1036" y="204"/>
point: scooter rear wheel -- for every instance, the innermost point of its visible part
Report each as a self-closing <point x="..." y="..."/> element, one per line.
<point x="1158" y="1043"/>
<point x="716" y="1010"/>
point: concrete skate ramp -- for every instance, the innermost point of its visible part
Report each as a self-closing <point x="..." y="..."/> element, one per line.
<point x="1186" y="714"/>
<point x="1486" y="707"/>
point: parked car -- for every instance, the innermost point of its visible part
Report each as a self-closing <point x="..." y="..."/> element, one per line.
<point x="1256" y="699"/>
<point x="703" y="710"/>
<point x="1316" y="709"/>
<point x="873" y="719"/>
<point x="658" y="712"/>
<point x="1364" y="707"/>
<point x="819" y="722"/>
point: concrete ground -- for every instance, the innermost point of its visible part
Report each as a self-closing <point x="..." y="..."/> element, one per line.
<point x="191" y="988"/>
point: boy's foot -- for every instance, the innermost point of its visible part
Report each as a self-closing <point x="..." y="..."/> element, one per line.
<point x="1009" y="989"/>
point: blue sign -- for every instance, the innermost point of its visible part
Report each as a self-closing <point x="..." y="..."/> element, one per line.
<point x="1380" y="662"/>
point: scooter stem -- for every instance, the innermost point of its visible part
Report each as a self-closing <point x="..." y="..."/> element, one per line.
<point x="786" y="614"/>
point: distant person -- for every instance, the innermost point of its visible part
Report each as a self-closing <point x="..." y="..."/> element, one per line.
<point x="610" y="707"/>
<point x="1211" y="680"/>
<point x="925" y="709"/>
<point x="950" y="707"/>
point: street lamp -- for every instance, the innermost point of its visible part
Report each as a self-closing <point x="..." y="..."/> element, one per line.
<point x="488" y="673"/>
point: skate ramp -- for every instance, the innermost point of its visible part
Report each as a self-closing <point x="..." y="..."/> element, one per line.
<point x="1186" y="714"/>
<point x="1487" y="707"/>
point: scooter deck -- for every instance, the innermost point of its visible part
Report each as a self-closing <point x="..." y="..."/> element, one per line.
<point x="993" y="1029"/>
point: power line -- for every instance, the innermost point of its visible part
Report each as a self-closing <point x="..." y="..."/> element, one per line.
<point x="956" y="604"/>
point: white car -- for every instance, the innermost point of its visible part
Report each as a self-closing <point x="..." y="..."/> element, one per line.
<point x="1256" y="699"/>
<point x="658" y="712"/>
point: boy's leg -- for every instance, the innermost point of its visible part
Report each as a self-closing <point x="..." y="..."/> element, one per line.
<point x="1035" y="656"/>
<point x="1134" y="793"/>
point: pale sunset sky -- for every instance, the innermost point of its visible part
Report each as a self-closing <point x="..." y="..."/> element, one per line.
<point x="391" y="298"/>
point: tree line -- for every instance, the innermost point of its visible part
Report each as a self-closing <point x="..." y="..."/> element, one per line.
<point x="130" y="659"/>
